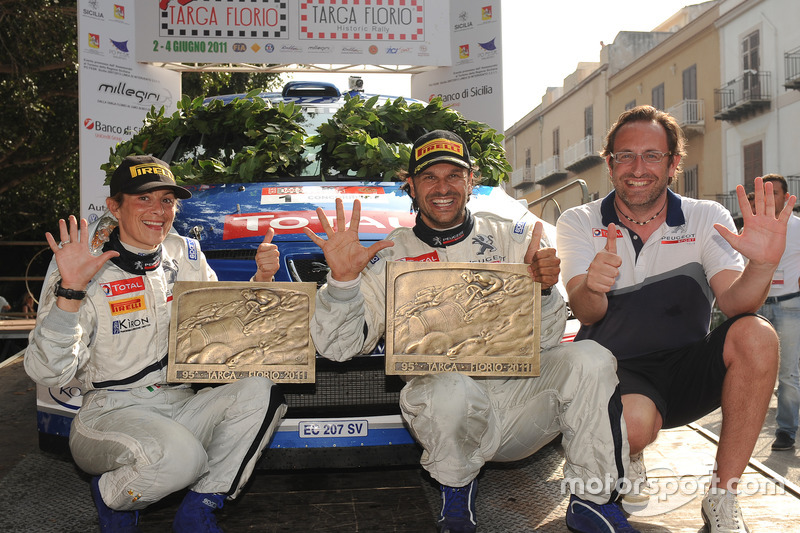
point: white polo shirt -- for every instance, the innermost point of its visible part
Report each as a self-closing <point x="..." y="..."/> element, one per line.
<point x="785" y="280"/>
<point x="662" y="299"/>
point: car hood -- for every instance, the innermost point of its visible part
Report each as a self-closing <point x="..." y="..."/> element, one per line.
<point x="235" y="216"/>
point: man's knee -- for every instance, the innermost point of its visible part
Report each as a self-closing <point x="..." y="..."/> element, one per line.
<point x="448" y="397"/>
<point x="753" y="341"/>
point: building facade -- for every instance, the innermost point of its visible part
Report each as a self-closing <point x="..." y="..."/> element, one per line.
<point x="727" y="70"/>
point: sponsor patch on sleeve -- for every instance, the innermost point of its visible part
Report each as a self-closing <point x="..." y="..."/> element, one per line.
<point x="192" y="247"/>
<point x="519" y="227"/>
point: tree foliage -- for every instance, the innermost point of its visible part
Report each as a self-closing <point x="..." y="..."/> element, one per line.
<point x="245" y="140"/>
<point x="39" y="116"/>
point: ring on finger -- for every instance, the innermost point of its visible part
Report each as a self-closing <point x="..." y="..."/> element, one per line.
<point x="62" y="243"/>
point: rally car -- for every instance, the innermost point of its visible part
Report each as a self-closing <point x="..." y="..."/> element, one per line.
<point x="350" y="416"/>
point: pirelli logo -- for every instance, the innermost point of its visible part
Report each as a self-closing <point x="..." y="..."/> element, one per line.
<point x="439" y="145"/>
<point x="150" y="168"/>
<point x="129" y="305"/>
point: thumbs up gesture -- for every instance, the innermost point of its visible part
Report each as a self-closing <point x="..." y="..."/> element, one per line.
<point x="543" y="264"/>
<point x="604" y="269"/>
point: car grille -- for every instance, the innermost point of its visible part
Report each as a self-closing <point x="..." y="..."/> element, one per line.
<point x="359" y="387"/>
<point x="231" y="254"/>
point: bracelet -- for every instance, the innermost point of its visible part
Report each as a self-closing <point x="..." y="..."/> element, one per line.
<point x="69" y="294"/>
<point x="547" y="291"/>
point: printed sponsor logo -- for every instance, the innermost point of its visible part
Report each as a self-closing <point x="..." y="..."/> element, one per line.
<point x="431" y="257"/>
<point x="463" y="22"/>
<point x="125" y="325"/>
<point x="129" y="305"/>
<point x="486" y="13"/>
<point x="602" y="232"/>
<point x="125" y="286"/>
<point x="678" y="239"/>
<point x="519" y="228"/>
<point x="293" y="222"/>
<point x="119" y="12"/>
<point x="437" y="145"/>
<point x="192" y="247"/>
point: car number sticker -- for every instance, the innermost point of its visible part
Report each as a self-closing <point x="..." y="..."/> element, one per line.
<point x="333" y="428"/>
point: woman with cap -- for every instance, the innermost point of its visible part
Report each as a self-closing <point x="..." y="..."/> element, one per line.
<point x="104" y="318"/>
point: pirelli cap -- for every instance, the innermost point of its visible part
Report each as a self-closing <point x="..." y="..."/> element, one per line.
<point x="142" y="173"/>
<point x="438" y="146"/>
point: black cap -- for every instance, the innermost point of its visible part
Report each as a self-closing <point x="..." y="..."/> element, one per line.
<point x="141" y="173"/>
<point x="438" y="146"/>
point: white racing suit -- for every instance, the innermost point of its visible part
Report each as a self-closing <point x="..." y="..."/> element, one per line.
<point x="146" y="437"/>
<point x="462" y="422"/>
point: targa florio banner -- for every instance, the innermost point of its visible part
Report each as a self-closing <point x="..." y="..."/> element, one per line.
<point x="392" y="32"/>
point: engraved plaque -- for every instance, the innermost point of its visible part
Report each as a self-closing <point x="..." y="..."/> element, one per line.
<point x="480" y="319"/>
<point x="224" y="331"/>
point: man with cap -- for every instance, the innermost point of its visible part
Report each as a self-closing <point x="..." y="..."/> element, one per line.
<point x="104" y="318"/>
<point x="462" y="422"/>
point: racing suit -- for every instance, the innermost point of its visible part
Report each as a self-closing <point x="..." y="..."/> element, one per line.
<point x="147" y="437"/>
<point x="462" y="422"/>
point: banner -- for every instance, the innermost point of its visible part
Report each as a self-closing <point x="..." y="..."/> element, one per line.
<point x="115" y="92"/>
<point x="387" y="32"/>
<point x="473" y="85"/>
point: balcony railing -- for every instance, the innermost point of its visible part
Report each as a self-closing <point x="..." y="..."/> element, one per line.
<point x="521" y="176"/>
<point x="731" y="202"/>
<point x="690" y="114"/>
<point x="549" y="168"/>
<point x="791" y="61"/>
<point x="743" y="96"/>
<point x="581" y="155"/>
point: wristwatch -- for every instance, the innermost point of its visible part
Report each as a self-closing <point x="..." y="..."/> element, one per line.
<point x="69" y="294"/>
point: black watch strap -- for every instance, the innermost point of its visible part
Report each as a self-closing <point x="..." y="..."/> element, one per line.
<point x="69" y="294"/>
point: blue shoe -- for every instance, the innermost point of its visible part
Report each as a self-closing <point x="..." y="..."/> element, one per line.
<point x="458" y="509"/>
<point x="587" y="517"/>
<point x="112" y="521"/>
<point x="196" y="513"/>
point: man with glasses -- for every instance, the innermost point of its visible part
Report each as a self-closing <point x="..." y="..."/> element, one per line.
<point x="642" y="268"/>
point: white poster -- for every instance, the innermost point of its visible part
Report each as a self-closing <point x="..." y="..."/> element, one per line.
<point x="115" y="91"/>
<point x="473" y="85"/>
<point x="386" y="32"/>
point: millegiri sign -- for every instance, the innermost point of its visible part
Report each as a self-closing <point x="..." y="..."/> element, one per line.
<point x="390" y="32"/>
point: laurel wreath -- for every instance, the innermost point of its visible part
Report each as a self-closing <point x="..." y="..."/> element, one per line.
<point x="265" y="142"/>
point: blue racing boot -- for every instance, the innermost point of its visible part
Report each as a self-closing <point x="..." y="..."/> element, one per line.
<point x="458" y="509"/>
<point x="586" y="517"/>
<point x="196" y="513"/>
<point x="112" y="521"/>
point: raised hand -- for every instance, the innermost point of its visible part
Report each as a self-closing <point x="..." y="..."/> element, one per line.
<point x="344" y="253"/>
<point x="76" y="264"/>
<point x="267" y="258"/>
<point x="544" y="265"/>
<point x="604" y="268"/>
<point x="763" y="237"/>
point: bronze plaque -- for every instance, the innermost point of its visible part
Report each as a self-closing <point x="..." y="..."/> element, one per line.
<point x="480" y="319"/>
<point x="224" y="331"/>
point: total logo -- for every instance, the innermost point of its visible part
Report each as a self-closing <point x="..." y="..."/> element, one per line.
<point x="125" y="286"/>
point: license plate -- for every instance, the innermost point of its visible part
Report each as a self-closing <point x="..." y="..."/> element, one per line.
<point x="333" y="428"/>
